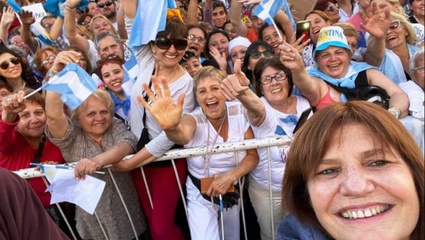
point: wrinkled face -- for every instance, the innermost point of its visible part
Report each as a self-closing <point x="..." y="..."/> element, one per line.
<point x="210" y="99"/>
<point x="113" y="77"/>
<point x="352" y="42"/>
<point x="317" y="23"/>
<point x="47" y="23"/>
<point x="93" y="8"/>
<point x="360" y="193"/>
<point x="277" y="90"/>
<point x="238" y="52"/>
<point x="418" y="8"/>
<point x="168" y="57"/>
<point x="196" y="42"/>
<point x="100" y="25"/>
<point x="334" y="61"/>
<point x="192" y="66"/>
<point x="108" y="47"/>
<point x="32" y="120"/>
<point x="17" y="41"/>
<point x="219" y="17"/>
<point x="396" y="35"/>
<point x="107" y="11"/>
<point x="3" y="93"/>
<point x="271" y="36"/>
<point x="13" y="70"/>
<point x="418" y="75"/>
<point x="231" y="31"/>
<point x="95" y="117"/>
<point x="220" y="42"/>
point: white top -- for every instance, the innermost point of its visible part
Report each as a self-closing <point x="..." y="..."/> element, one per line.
<point x="275" y="123"/>
<point x="221" y="162"/>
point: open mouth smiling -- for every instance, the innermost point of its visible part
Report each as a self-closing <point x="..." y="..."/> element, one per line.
<point x="365" y="213"/>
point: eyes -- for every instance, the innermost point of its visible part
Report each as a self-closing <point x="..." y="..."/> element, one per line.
<point x="332" y="170"/>
<point x="325" y="55"/>
<point x="271" y="37"/>
<point x="102" y="113"/>
<point x="26" y="115"/>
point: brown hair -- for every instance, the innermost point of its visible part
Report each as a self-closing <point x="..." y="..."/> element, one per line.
<point x="36" y="98"/>
<point x="38" y="59"/>
<point x="349" y="29"/>
<point x="313" y="141"/>
<point x="320" y="13"/>
<point x="104" y="61"/>
<point x="273" y="62"/>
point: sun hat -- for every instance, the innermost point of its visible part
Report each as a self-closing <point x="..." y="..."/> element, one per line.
<point x="332" y="36"/>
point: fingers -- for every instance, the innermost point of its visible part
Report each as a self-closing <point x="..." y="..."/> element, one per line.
<point x="180" y="100"/>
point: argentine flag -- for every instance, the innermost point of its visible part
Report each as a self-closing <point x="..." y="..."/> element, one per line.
<point x="268" y="9"/>
<point x="131" y="70"/>
<point x="73" y="83"/>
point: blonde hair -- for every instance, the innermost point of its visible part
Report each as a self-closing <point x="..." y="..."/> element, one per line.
<point x="205" y="72"/>
<point x="102" y="96"/>
<point x="113" y="30"/>
<point x="411" y="37"/>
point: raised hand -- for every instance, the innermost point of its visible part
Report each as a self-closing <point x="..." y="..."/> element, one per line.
<point x="290" y="57"/>
<point x="26" y="17"/>
<point x="14" y="104"/>
<point x="63" y="58"/>
<point x="165" y="111"/>
<point x="220" y="58"/>
<point x="235" y="84"/>
<point x="8" y="16"/>
<point x="375" y="22"/>
<point x="296" y="43"/>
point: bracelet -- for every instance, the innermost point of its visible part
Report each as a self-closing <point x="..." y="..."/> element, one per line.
<point x="51" y="73"/>
<point x="396" y="111"/>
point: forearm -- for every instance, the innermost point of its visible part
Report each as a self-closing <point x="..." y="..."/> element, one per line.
<point x="283" y="19"/>
<point x="4" y="32"/>
<point x="114" y="154"/>
<point x="192" y="12"/>
<point x="375" y="51"/>
<point x="56" y="120"/>
<point x="121" y="25"/>
<point x="129" y="8"/>
<point x="56" y="30"/>
<point x="28" y="38"/>
<point x="8" y="116"/>
<point x="140" y="159"/>
<point x="254" y="105"/>
<point x="400" y="101"/>
<point x="248" y="163"/>
<point x="235" y="18"/>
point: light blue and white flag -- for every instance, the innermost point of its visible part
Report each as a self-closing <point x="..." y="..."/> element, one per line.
<point x="268" y="9"/>
<point x="151" y="17"/>
<point x="131" y="70"/>
<point x="73" y="83"/>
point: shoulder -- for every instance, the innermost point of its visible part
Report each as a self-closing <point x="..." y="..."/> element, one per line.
<point x="291" y="228"/>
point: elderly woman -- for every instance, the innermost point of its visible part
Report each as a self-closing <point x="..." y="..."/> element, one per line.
<point x="274" y="111"/>
<point x="15" y="72"/>
<point x="93" y="138"/>
<point x="196" y="40"/>
<point x="44" y="58"/>
<point x="336" y="191"/>
<point x="215" y="121"/>
<point x="335" y="68"/>
<point x="237" y="48"/>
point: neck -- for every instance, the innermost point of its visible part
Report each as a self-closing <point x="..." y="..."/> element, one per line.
<point x="285" y="106"/>
<point x="403" y="53"/>
<point x="347" y="6"/>
<point x="33" y="141"/>
<point x="120" y="95"/>
<point x="170" y="73"/>
<point x="420" y="19"/>
<point x="217" y="122"/>
<point x="16" y="83"/>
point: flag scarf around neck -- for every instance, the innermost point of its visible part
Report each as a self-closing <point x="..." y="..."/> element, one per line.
<point x="73" y="83"/>
<point x="268" y="9"/>
<point x="146" y="24"/>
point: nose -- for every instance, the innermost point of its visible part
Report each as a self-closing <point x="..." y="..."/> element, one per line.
<point x="356" y="182"/>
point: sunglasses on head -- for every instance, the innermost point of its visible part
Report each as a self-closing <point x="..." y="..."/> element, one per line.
<point x="265" y="53"/>
<point x="102" y="5"/>
<point x="5" y="64"/>
<point x="394" y="24"/>
<point x="165" y="43"/>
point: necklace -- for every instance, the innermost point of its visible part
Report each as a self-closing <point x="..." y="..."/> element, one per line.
<point x="208" y="149"/>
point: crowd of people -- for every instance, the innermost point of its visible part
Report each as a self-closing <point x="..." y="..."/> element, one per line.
<point x="350" y="96"/>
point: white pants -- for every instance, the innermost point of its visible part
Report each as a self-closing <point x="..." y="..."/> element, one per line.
<point x="260" y="198"/>
<point x="204" y="221"/>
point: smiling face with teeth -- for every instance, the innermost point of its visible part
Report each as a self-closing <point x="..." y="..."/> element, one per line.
<point x="418" y="8"/>
<point x="334" y="61"/>
<point x="363" y="192"/>
<point x="317" y="23"/>
<point x="113" y="77"/>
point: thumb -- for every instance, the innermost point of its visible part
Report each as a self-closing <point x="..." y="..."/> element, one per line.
<point x="238" y="67"/>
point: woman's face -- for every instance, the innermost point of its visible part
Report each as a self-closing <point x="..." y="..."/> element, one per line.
<point x="396" y="35"/>
<point x="334" y="62"/>
<point x="168" y="57"/>
<point x="418" y="8"/>
<point x="32" y="120"/>
<point x="86" y="22"/>
<point x="332" y="11"/>
<point x="418" y="75"/>
<point x="196" y="41"/>
<point x="317" y="23"/>
<point x="238" y="52"/>
<point x="231" y="31"/>
<point x="358" y="193"/>
<point x="275" y="92"/>
<point x="384" y="4"/>
<point x="113" y="76"/>
<point x="192" y="66"/>
<point x="82" y="62"/>
<point x="95" y="118"/>
<point x="100" y="25"/>
<point x="8" y="69"/>
<point x="261" y="53"/>
<point x="271" y="36"/>
<point x="93" y="8"/>
<point x="210" y="99"/>
<point x="219" y="17"/>
<point x="220" y="42"/>
<point x="47" y="59"/>
<point x="3" y="93"/>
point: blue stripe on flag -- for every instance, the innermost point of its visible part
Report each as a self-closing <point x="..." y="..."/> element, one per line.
<point x="73" y="83"/>
<point x="268" y="9"/>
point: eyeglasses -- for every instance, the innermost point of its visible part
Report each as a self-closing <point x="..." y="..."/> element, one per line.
<point x="420" y="69"/>
<point x="333" y="7"/>
<point x="5" y="64"/>
<point x="102" y="5"/>
<point x="85" y="23"/>
<point x="49" y="59"/>
<point x="257" y="54"/>
<point x="165" y="43"/>
<point x="280" y="76"/>
<point x="229" y="31"/>
<point x="192" y="37"/>
<point x="394" y="24"/>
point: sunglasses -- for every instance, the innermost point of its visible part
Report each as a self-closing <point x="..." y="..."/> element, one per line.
<point x="5" y="64"/>
<point x="394" y="24"/>
<point x="192" y="37"/>
<point x="102" y="5"/>
<point x="333" y="7"/>
<point x="265" y="53"/>
<point x="165" y="43"/>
